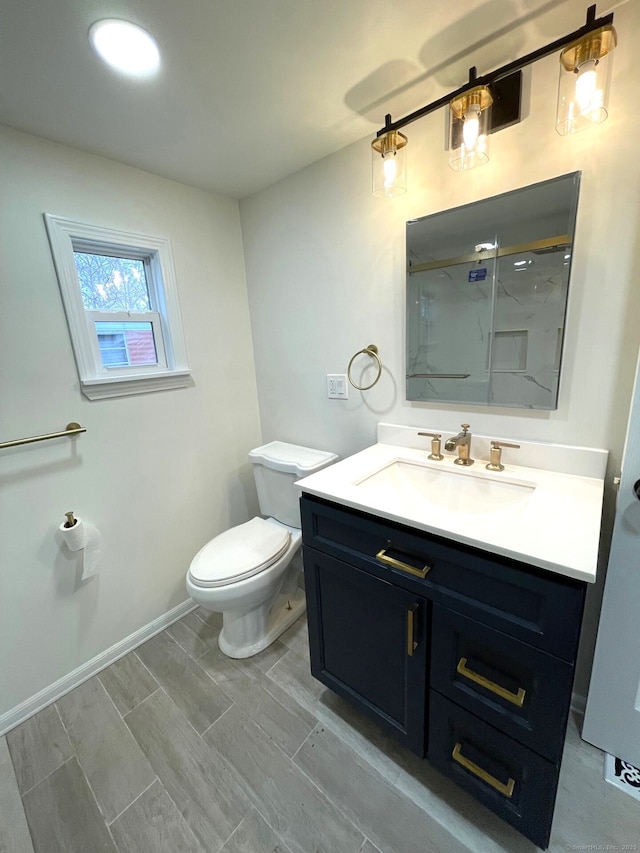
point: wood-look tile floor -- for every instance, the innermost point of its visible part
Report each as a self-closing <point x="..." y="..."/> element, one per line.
<point x="177" y="749"/>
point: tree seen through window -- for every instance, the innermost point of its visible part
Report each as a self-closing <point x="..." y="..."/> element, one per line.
<point x="112" y="284"/>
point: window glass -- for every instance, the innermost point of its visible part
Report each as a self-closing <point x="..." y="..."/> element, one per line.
<point x="112" y="284"/>
<point x="123" y="344"/>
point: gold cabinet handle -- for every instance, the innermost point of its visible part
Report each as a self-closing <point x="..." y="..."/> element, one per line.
<point x="501" y="787"/>
<point x="412" y="643"/>
<point x="516" y="698"/>
<point x="383" y="557"/>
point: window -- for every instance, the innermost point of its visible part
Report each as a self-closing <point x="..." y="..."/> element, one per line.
<point x="121" y="302"/>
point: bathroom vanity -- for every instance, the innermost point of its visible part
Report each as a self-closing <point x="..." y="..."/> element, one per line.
<point x="462" y="647"/>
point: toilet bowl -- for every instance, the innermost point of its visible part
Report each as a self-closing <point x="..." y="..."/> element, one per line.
<point x="251" y="573"/>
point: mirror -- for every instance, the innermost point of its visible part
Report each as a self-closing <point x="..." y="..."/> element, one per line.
<point x="487" y="287"/>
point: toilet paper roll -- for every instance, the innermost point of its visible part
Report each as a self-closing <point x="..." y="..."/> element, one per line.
<point x="83" y="536"/>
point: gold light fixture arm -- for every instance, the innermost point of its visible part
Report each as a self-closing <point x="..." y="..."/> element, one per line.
<point x="592" y="47"/>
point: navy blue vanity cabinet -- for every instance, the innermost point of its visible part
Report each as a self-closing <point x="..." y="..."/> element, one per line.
<point x="466" y="657"/>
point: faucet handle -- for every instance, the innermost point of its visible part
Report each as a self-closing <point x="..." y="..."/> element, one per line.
<point x="495" y="454"/>
<point x="435" y="445"/>
<point x="465" y="427"/>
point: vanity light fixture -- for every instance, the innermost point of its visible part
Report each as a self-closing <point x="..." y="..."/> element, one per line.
<point x="125" y="46"/>
<point x="490" y="103"/>
<point x="389" y="164"/>
<point x="469" y="128"/>
<point x="585" y="73"/>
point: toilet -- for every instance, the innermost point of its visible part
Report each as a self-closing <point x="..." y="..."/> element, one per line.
<point x="251" y="572"/>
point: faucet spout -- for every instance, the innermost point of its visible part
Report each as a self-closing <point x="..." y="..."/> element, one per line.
<point x="452" y="443"/>
<point x="463" y="442"/>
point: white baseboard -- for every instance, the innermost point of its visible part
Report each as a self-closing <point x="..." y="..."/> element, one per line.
<point x="45" y="697"/>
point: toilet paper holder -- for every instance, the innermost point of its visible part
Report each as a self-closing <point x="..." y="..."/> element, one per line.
<point x="79" y="535"/>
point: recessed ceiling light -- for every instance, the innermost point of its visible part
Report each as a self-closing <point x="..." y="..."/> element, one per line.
<point x="125" y="46"/>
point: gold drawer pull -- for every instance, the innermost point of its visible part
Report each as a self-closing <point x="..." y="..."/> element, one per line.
<point x="501" y="787"/>
<point x="405" y="567"/>
<point x="412" y="644"/>
<point x="516" y="698"/>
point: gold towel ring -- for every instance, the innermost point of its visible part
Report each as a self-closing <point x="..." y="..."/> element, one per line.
<point x="371" y="350"/>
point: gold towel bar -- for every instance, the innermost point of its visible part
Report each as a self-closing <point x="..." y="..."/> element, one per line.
<point x="71" y="429"/>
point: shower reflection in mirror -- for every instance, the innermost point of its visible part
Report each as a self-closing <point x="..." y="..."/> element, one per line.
<point x="487" y="289"/>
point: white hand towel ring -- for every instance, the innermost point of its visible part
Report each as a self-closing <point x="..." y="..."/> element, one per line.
<point x="371" y="350"/>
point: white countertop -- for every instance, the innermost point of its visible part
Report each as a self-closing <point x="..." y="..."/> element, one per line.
<point x="555" y="525"/>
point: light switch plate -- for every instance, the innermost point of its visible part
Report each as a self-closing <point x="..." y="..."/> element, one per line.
<point x="337" y="388"/>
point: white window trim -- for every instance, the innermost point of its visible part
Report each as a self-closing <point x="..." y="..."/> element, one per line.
<point x="96" y="382"/>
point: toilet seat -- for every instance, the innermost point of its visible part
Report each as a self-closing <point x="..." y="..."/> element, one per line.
<point x="239" y="553"/>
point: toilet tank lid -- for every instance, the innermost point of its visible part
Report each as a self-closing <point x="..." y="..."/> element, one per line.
<point x="291" y="458"/>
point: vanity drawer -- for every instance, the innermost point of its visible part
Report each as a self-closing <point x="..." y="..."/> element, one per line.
<point x="521" y="690"/>
<point x="540" y="608"/>
<point x="358" y="538"/>
<point x="511" y="780"/>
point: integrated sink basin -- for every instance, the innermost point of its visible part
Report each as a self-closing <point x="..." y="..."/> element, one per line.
<point x="453" y="489"/>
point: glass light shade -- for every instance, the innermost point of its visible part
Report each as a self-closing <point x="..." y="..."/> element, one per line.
<point x="583" y="90"/>
<point x="469" y="129"/>
<point x="389" y="165"/>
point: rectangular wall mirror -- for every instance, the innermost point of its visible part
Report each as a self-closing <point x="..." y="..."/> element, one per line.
<point x="487" y="287"/>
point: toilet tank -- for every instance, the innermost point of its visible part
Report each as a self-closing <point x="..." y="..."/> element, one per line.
<point x="276" y="467"/>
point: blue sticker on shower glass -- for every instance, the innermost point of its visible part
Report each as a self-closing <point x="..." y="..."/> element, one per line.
<point x="478" y="274"/>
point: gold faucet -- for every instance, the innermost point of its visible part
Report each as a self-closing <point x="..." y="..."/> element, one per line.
<point x="435" y="445"/>
<point x="495" y="455"/>
<point x="463" y="442"/>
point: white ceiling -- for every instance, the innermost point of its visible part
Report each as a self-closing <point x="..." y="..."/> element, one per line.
<point x="253" y="90"/>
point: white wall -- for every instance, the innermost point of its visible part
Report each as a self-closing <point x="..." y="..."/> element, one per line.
<point x="158" y="473"/>
<point x="325" y="272"/>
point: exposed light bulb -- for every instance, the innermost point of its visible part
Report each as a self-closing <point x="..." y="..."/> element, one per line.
<point x="471" y="127"/>
<point x="588" y="96"/>
<point x="390" y="168"/>
<point x="389" y="177"/>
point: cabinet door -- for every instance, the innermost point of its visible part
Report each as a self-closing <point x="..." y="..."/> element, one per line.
<point x="368" y="644"/>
